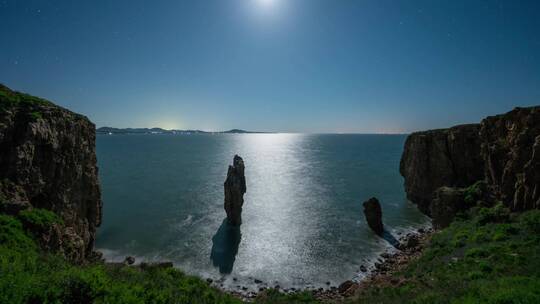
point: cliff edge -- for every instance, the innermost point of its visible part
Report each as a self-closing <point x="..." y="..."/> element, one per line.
<point x="48" y="161"/>
<point x="503" y="151"/>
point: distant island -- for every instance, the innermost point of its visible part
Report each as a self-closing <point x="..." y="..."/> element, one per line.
<point x="111" y="131"/>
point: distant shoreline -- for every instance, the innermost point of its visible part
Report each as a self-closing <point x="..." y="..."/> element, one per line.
<point x="122" y="131"/>
<point x="151" y="131"/>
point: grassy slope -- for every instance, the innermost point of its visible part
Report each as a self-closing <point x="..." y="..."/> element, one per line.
<point x="487" y="256"/>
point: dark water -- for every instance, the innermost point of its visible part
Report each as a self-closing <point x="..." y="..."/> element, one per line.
<point x="302" y="221"/>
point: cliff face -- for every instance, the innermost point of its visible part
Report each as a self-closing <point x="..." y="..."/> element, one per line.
<point x="436" y="158"/>
<point x="47" y="160"/>
<point x="503" y="150"/>
<point x="511" y="150"/>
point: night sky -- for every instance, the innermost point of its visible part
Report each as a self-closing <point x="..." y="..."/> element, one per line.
<point x="275" y="65"/>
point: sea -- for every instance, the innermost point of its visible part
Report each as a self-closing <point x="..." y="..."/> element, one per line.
<point x="303" y="223"/>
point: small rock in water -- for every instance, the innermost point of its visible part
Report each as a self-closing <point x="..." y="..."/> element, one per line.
<point x="257" y="281"/>
<point x="235" y="188"/>
<point x="373" y="213"/>
<point x="129" y="260"/>
<point x="363" y="268"/>
<point x="209" y="281"/>
<point x="327" y="283"/>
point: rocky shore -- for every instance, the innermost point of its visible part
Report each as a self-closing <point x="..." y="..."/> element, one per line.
<point x="381" y="273"/>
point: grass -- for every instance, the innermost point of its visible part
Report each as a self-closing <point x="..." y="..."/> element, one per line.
<point x="490" y="256"/>
<point x="487" y="256"/>
<point x="10" y="99"/>
<point x="29" y="276"/>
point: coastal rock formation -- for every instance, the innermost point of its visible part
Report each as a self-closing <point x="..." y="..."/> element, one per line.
<point x="47" y="160"/>
<point x="447" y="202"/>
<point x="436" y="158"/>
<point x="511" y="151"/>
<point x="503" y="151"/>
<point x="235" y="188"/>
<point x="373" y="213"/>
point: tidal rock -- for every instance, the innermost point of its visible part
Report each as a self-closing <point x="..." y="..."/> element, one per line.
<point x="129" y="260"/>
<point x="48" y="161"/>
<point x="446" y="157"/>
<point x="345" y="286"/>
<point x="373" y="213"/>
<point x="235" y="188"/>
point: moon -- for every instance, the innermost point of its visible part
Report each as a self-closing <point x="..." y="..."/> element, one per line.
<point x="267" y="3"/>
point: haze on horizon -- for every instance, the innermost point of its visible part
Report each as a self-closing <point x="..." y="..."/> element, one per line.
<point x="275" y="65"/>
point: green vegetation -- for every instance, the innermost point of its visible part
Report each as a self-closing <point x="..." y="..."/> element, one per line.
<point x="29" y="276"/>
<point x="487" y="256"/>
<point x="10" y="99"/>
<point x="490" y="256"/>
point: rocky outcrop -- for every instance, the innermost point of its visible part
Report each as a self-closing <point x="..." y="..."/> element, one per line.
<point x="511" y="151"/>
<point x="373" y="213"/>
<point x="436" y="158"/>
<point x="447" y="202"/>
<point x="47" y="160"/>
<point x="503" y="150"/>
<point x="235" y="188"/>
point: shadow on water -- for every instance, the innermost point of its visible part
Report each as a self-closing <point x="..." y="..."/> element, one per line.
<point x="387" y="236"/>
<point x="225" y="247"/>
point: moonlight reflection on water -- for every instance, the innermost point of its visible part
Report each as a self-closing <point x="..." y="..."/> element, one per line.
<point x="303" y="223"/>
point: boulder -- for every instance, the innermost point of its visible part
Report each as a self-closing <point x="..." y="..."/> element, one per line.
<point x="235" y="188"/>
<point x="373" y="213"/>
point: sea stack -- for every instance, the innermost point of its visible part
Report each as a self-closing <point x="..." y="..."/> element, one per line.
<point x="235" y="187"/>
<point x="373" y="213"/>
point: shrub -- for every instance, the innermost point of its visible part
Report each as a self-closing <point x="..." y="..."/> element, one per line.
<point x="38" y="220"/>
<point x="12" y="234"/>
<point x="474" y="193"/>
<point x="497" y="214"/>
<point x="531" y="221"/>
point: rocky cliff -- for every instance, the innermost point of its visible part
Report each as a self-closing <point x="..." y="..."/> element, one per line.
<point x="47" y="160"/>
<point x="436" y="158"/>
<point x="502" y="150"/>
<point x="511" y="151"/>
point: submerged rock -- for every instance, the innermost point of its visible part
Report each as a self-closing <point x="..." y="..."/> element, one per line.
<point x="235" y="188"/>
<point x="373" y="213"/>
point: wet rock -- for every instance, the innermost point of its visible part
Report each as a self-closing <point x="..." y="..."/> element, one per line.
<point x="257" y="281"/>
<point x="235" y="188"/>
<point x="373" y="213"/>
<point x="209" y="280"/>
<point x="343" y="287"/>
<point x="363" y="268"/>
<point x="129" y="260"/>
